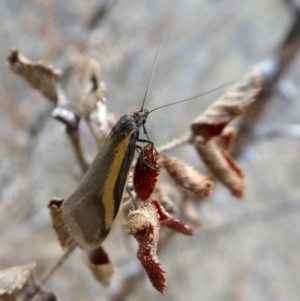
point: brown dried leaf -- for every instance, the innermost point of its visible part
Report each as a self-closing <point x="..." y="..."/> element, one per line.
<point x="58" y="224"/>
<point x="226" y="139"/>
<point x="17" y="283"/>
<point x="93" y="101"/>
<point x="39" y="75"/>
<point x="92" y="88"/>
<point x="187" y="177"/>
<point x="228" y="106"/>
<point x="221" y="165"/>
<point x="100" y="265"/>
<point x="15" y="278"/>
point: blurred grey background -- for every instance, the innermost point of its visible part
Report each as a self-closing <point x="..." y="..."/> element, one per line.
<point x="245" y="251"/>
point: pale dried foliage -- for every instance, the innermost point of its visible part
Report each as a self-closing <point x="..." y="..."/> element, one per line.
<point x="99" y="263"/>
<point x="221" y="164"/>
<point x="58" y="224"/>
<point x="17" y="284"/>
<point x="187" y="177"/>
<point x="213" y="141"/>
<point x="39" y="75"/>
<point x="229" y="106"/>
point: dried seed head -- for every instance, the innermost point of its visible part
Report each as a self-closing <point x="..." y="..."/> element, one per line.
<point x="146" y="172"/>
<point x="221" y="164"/>
<point x="144" y="226"/>
<point x="187" y="177"/>
<point x="170" y="222"/>
<point x="228" y="106"/>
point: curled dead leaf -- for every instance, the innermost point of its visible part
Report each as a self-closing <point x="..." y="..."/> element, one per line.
<point x="221" y="164"/>
<point x="39" y="75"/>
<point x="230" y="105"/>
<point x="58" y="224"/>
<point x="17" y="283"/>
<point x="187" y="177"/>
<point x="226" y="139"/>
<point x="99" y="263"/>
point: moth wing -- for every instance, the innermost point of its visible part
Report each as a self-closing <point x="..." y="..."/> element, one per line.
<point x="91" y="209"/>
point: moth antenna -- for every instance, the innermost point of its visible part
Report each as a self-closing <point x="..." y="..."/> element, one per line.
<point x="153" y="69"/>
<point x="191" y="98"/>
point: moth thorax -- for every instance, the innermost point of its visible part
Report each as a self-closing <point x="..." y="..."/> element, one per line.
<point x="140" y="116"/>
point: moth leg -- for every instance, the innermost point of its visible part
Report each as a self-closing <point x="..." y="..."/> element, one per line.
<point x="146" y="134"/>
<point x="143" y="155"/>
<point x="132" y="198"/>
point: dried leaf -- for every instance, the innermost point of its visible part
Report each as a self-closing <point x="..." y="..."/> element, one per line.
<point x="146" y="172"/>
<point x="58" y="224"/>
<point x="93" y="101"/>
<point x="144" y="225"/>
<point x="15" y="278"/>
<point x="99" y="263"/>
<point x="221" y="164"/>
<point x="226" y="139"/>
<point x="228" y="106"/>
<point x="17" y="284"/>
<point x="39" y="75"/>
<point x="92" y="88"/>
<point x="187" y="177"/>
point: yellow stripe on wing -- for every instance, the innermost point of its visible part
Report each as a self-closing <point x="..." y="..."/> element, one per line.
<point x="113" y="174"/>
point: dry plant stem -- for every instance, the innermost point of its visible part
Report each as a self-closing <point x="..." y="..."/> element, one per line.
<point x="174" y="144"/>
<point x="100" y="13"/>
<point x="58" y="263"/>
<point x="71" y="120"/>
<point x="76" y="143"/>
<point x="272" y="70"/>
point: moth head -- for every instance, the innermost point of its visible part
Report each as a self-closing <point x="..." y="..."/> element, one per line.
<point x="140" y="116"/>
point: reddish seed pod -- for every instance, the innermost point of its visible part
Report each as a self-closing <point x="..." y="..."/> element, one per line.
<point x="146" y="172"/>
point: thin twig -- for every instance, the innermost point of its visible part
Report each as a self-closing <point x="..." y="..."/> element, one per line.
<point x="100" y="13"/>
<point x="59" y="262"/>
<point x="71" y="120"/>
<point x="175" y="143"/>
